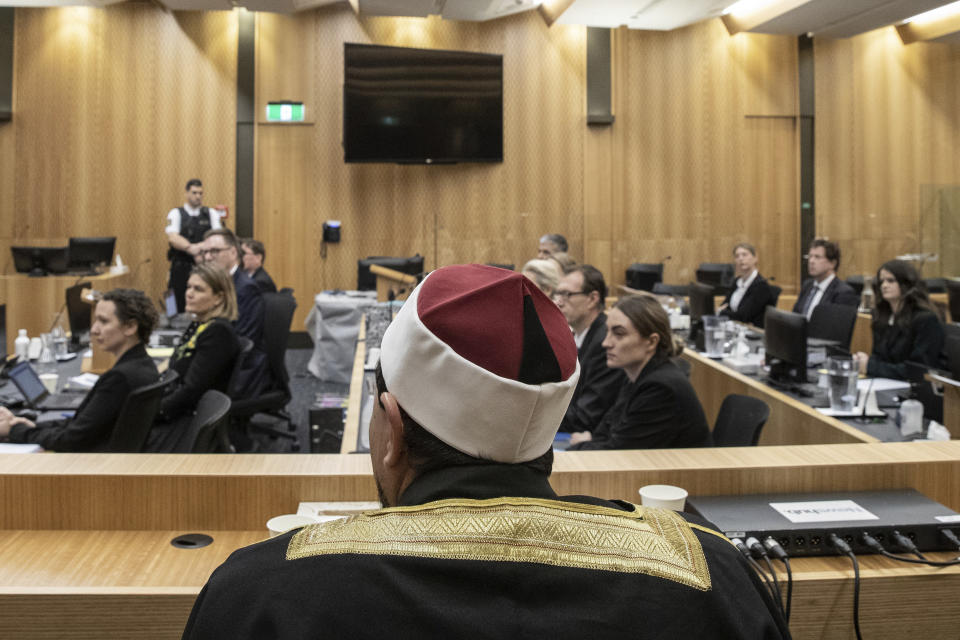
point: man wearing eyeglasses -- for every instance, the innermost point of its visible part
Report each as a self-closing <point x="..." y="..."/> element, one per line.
<point x="221" y="247"/>
<point x="185" y="228"/>
<point x="580" y="296"/>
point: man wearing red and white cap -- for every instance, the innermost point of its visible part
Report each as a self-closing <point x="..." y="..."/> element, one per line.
<point x="476" y="372"/>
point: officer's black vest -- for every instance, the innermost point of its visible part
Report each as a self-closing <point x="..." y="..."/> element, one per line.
<point x="192" y="228"/>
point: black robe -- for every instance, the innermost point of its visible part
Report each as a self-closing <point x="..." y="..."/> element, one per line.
<point x="461" y="560"/>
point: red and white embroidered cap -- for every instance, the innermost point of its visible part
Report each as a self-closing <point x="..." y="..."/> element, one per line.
<point x="482" y="359"/>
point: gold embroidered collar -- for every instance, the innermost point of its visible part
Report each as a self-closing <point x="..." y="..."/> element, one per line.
<point x="655" y="542"/>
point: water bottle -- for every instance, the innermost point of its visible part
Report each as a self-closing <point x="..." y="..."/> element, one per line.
<point x="22" y="346"/>
<point x="867" y="299"/>
<point x="911" y="417"/>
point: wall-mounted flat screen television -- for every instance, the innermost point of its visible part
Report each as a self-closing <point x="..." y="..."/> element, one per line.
<point x="421" y="106"/>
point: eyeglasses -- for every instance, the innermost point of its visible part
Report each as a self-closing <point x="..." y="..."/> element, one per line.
<point x="565" y="295"/>
<point x="213" y="252"/>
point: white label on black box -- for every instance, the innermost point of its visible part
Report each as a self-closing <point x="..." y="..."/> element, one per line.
<point x="950" y="518"/>
<point x="822" y="511"/>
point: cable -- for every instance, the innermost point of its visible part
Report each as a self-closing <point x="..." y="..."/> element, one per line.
<point x="742" y="548"/>
<point x="906" y="543"/>
<point x="845" y="549"/>
<point x="759" y="551"/>
<point x="875" y="545"/>
<point x="774" y="548"/>
<point x="951" y="537"/>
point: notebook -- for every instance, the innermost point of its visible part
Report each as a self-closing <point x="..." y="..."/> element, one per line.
<point x="36" y="395"/>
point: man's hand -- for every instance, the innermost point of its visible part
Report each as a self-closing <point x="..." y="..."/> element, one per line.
<point x="195" y="248"/>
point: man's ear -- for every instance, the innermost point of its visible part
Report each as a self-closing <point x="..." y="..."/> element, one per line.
<point x="396" y="449"/>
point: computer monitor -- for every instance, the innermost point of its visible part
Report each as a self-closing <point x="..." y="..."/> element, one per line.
<point x="87" y="253"/>
<point x="701" y="301"/>
<point x="78" y="312"/>
<point x="366" y="281"/>
<point x="785" y="343"/>
<point x="39" y="261"/>
<point x="717" y="274"/>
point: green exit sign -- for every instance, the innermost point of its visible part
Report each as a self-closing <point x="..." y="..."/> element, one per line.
<point x="284" y="112"/>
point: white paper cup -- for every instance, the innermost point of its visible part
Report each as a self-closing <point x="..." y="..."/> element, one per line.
<point x="664" y="496"/>
<point x="286" y="522"/>
<point x="49" y="380"/>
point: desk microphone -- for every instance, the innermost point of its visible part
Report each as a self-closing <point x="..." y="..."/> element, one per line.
<point x="137" y="268"/>
<point x="56" y="318"/>
<point x="866" y="399"/>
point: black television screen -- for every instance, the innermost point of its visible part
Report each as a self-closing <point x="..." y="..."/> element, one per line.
<point x="86" y="253"/>
<point x="421" y="105"/>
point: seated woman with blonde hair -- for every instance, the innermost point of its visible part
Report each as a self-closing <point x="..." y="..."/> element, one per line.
<point x="544" y="273"/>
<point x="657" y="408"/>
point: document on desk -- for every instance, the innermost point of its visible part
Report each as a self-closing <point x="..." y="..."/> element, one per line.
<point x="13" y="447"/>
<point x="84" y="381"/>
<point x="882" y="384"/>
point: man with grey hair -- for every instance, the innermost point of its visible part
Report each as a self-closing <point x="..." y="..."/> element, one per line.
<point x="475" y="373"/>
<point x="550" y="244"/>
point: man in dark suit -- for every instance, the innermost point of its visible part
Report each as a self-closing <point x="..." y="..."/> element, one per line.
<point x="580" y="296"/>
<point x="823" y="260"/>
<point x="221" y="247"/>
<point x="253" y="257"/>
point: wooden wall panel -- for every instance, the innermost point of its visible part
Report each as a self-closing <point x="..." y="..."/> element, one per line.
<point x="449" y="214"/>
<point x="114" y="110"/>
<point x="887" y="128"/>
<point x="704" y="150"/>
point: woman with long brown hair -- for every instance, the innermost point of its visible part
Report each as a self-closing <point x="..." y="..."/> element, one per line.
<point x="658" y="407"/>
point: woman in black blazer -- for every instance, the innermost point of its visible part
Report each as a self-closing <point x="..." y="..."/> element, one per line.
<point x="658" y="407"/>
<point x="123" y="320"/>
<point x="751" y="293"/>
<point x="905" y="325"/>
<point x="209" y="347"/>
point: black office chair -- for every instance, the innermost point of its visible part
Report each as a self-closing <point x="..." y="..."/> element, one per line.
<point x="644" y="275"/>
<point x="136" y="416"/>
<point x="740" y="421"/>
<point x="661" y="289"/>
<point x="833" y="322"/>
<point x="208" y="428"/>
<point x="857" y="283"/>
<point x="952" y="349"/>
<point x="776" y="291"/>
<point x="935" y="285"/>
<point x="953" y="298"/>
<point x="278" y="313"/>
<point x="718" y="274"/>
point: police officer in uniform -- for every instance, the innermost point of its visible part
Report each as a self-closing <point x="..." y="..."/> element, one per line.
<point x="475" y="375"/>
<point x="185" y="228"/>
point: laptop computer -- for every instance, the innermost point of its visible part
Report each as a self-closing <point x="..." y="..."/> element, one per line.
<point x="36" y="395"/>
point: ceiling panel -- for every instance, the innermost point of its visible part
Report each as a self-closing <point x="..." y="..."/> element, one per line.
<point x="846" y="18"/>
<point x="660" y="15"/>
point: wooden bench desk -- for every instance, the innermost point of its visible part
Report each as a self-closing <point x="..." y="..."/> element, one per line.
<point x="84" y="538"/>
